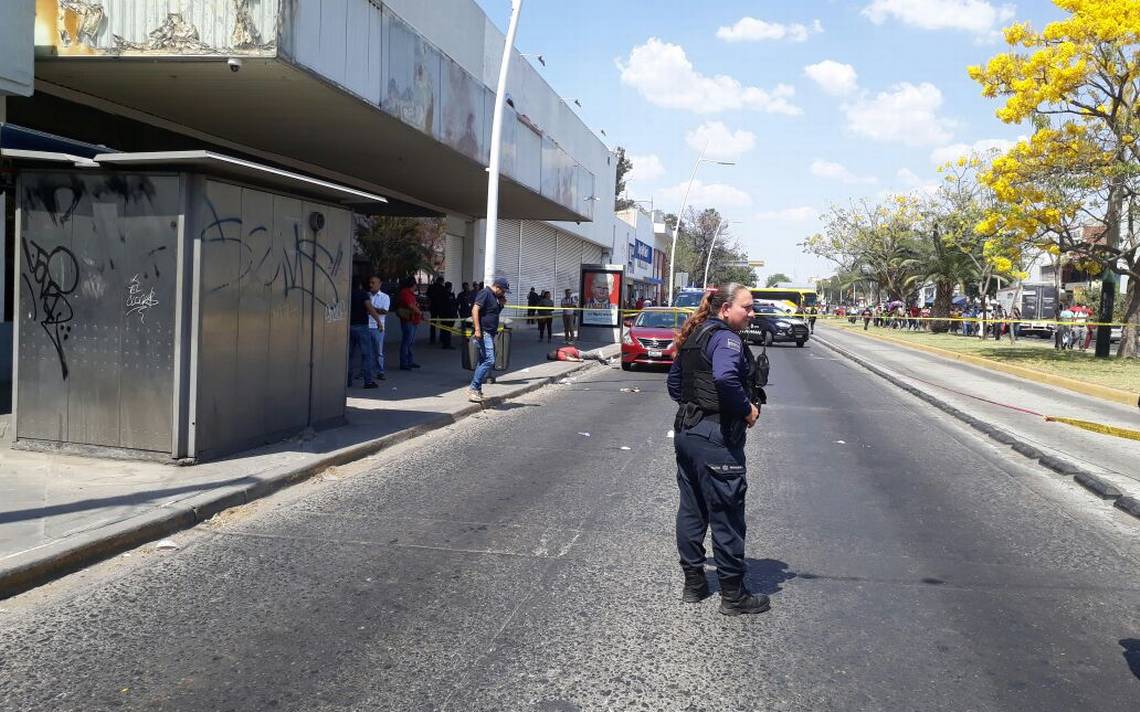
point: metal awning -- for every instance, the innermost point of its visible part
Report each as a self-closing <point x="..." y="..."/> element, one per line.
<point x="20" y="138"/>
<point x="217" y="163"/>
<point x="213" y="163"/>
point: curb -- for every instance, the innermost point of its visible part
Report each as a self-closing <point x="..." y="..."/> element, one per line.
<point x="1090" y="481"/>
<point x="39" y="566"/>
<point x="1114" y="395"/>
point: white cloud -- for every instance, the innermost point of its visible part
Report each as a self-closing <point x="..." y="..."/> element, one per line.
<point x="713" y="195"/>
<point x="837" y="171"/>
<point x="723" y="144"/>
<point x="953" y="152"/>
<point x="750" y="29"/>
<point x="908" y="114"/>
<point x="663" y="74"/>
<point x="801" y="214"/>
<point x="977" y="16"/>
<point x="646" y="168"/>
<point x="913" y="182"/>
<point x="833" y="77"/>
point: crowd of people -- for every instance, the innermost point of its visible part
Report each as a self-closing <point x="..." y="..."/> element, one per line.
<point x="443" y="309"/>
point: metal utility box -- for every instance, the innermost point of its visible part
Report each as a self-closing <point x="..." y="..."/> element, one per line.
<point x="186" y="311"/>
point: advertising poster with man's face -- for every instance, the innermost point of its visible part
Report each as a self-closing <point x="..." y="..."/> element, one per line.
<point x="601" y="293"/>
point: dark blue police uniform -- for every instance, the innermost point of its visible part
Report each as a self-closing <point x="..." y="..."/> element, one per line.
<point x="710" y="380"/>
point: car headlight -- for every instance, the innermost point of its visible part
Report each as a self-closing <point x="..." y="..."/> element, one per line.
<point x="627" y="338"/>
<point x="784" y="324"/>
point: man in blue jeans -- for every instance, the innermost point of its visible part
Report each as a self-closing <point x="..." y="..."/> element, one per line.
<point x="485" y="316"/>
<point x="360" y="341"/>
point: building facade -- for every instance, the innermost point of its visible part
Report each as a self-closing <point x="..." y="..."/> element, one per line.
<point x="394" y="98"/>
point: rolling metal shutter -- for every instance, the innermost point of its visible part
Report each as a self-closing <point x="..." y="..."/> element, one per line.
<point x="539" y="250"/>
<point x="507" y="255"/>
<point x="453" y="260"/>
<point x="567" y="264"/>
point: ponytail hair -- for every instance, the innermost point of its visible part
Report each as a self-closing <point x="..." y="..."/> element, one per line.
<point x="709" y="307"/>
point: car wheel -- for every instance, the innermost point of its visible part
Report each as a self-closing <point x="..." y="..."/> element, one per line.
<point x="769" y="338"/>
<point x="799" y="344"/>
<point x="626" y="366"/>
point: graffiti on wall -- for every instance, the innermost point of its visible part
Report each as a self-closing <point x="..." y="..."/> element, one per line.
<point x="304" y="266"/>
<point x="139" y="302"/>
<point x="89" y="27"/>
<point x="48" y="302"/>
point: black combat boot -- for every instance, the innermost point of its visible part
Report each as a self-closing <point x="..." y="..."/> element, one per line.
<point x="735" y="599"/>
<point x="696" y="585"/>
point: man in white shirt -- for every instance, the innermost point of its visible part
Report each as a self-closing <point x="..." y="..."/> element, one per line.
<point x="381" y="302"/>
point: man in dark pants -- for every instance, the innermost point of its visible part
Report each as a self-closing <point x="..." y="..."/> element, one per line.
<point x="449" y="312"/>
<point x="437" y="304"/>
<point x="711" y="379"/>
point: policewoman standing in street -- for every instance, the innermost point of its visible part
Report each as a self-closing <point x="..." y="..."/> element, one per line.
<point x="716" y="381"/>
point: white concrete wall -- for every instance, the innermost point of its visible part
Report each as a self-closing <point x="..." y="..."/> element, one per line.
<point x="17" y="23"/>
<point x="472" y="40"/>
<point x="343" y="40"/>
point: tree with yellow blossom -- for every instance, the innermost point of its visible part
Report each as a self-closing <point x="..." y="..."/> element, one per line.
<point x="1071" y="187"/>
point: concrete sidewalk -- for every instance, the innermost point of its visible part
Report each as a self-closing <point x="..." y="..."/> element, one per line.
<point x="1000" y="400"/>
<point x="59" y="512"/>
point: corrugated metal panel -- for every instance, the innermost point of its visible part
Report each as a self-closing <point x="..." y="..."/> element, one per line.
<point x="539" y="250"/>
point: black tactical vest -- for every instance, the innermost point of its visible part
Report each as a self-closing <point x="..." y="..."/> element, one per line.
<point x="699" y="397"/>
<point x="697" y="385"/>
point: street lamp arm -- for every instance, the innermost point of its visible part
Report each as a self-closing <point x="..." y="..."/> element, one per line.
<point x="493" y="169"/>
<point x="680" y="217"/>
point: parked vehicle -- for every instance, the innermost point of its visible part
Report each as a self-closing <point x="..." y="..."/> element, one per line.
<point x="1038" y="303"/>
<point x="647" y="339"/>
<point x="689" y="298"/>
<point x="770" y="325"/>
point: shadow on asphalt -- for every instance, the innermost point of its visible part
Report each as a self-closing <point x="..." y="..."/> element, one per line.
<point x="764" y="575"/>
<point x="1132" y="654"/>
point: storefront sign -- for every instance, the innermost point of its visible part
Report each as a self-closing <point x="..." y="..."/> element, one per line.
<point x="643" y="251"/>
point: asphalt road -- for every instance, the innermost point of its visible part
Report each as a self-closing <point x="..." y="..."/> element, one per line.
<point x="512" y="563"/>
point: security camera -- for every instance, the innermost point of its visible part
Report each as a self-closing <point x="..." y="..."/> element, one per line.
<point x="234" y="64"/>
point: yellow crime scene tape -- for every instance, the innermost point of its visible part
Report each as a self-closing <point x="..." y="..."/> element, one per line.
<point x="1103" y="429"/>
<point x="960" y="319"/>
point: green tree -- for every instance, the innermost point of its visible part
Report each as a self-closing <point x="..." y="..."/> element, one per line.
<point x="399" y="247"/>
<point x="1077" y="83"/>
<point x="624" y="166"/>
<point x="775" y="279"/>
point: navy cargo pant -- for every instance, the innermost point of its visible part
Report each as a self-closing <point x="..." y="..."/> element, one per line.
<point x="711" y="478"/>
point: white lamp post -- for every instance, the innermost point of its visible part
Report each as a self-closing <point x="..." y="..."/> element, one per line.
<point x="680" y="215"/>
<point x="496" y="147"/>
<point x="712" y="246"/>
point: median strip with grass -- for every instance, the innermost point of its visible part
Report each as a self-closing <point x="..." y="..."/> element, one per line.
<point x="1032" y="353"/>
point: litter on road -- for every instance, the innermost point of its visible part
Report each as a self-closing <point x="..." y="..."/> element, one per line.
<point x="166" y="545"/>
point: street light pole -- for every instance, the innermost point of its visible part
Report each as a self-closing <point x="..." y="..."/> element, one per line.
<point x="491" y="243"/>
<point x="708" y="260"/>
<point x="681" y="213"/>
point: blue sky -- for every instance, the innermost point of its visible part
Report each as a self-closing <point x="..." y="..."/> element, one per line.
<point x="818" y="102"/>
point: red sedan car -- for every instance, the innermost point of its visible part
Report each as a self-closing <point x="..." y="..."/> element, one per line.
<point x="648" y="339"/>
